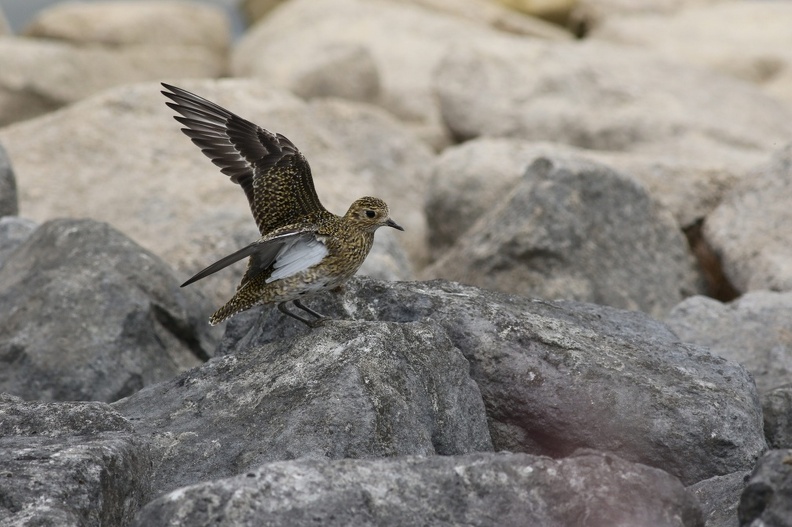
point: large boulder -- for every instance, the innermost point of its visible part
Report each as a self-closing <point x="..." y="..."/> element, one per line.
<point x="558" y="376"/>
<point x="767" y="498"/>
<point x="511" y="490"/>
<point x="392" y="47"/>
<point x="757" y="47"/>
<point x="753" y="330"/>
<point x="578" y="230"/>
<point x="777" y="411"/>
<point x="348" y="389"/>
<point x="9" y="205"/>
<point x="176" y="203"/>
<point x="604" y="97"/>
<point x="69" y="464"/>
<point x="719" y="497"/>
<point x="469" y="179"/>
<point x="86" y="314"/>
<point x="749" y="228"/>
<point x="39" y="76"/>
<point x="159" y="24"/>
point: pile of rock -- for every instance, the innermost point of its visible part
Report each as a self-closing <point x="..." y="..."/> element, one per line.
<point x="589" y="192"/>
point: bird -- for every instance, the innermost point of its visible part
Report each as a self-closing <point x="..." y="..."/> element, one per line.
<point x="304" y="248"/>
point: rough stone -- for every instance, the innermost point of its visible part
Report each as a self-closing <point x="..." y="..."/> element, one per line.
<point x="577" y="230"/>
<point x="757" y="47"/>
<point x="719" y="497"/>
<point x="506" y="489"/>
<point x="469" y="179"/>
<point x="558" y="376"/>
<point x="777" y="411"/>
<point x="767" y="498"/>
<point x="86" y="314"/>
<point x="754" y="330"/>
<point x="13" y="231"/>
<point x="604" y="97"/>
<point x="117" y="24"/>
<point x="405" y="40"/>
<point x="39" y="76"/>
<point x="748" y="229"/>
<point x="9" y="205"/>
<point x="348" y="389"/>
<point x="69" y="464"/>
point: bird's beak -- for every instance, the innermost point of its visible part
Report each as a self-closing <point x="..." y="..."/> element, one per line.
<point x="391" y="223"/>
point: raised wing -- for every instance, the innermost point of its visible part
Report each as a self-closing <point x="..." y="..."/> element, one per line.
<point x="280" y="256"/>
<point x="273" y="173"/>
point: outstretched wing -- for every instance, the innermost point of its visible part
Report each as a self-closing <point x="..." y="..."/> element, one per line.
<point x="273" y="173"/>
<point x="279" y="256"/>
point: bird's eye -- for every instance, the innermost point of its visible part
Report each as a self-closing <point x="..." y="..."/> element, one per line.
<point x="370" y="213"/>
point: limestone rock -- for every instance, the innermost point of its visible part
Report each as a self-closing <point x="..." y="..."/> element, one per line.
<point x="576" y="230"/>
<point x="754" y="330"/>
<point x="767" y="498"/>
<point x="603" y="97"/>
<point x="511" y="490"/>
<point x="69" y="464"/>
<point x="346" y="390"/>
<point x="558" y="376"/>
<point x="749" y="228"/>
<point x="86" y="314"/>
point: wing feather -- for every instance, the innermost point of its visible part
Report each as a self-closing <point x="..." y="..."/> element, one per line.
<point x="273" y="173"/>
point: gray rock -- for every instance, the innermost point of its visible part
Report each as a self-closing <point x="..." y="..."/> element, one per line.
<point x="69" y="464"/>
<point x="767" y="498"/>
<point x="9" y="206"/>
<point x="118" y="24"/>
<point x="577" y="230"/>
<point x="719" y="497"/>
<point x="469" y="179"/>
<point x="348" y="389"/>
<point x="603" y="97"/>
<point x="777" y="411"/>
<point x="86" y="314"/>
<point x="753" y="330"/>
<point x="13" y="231"/>
<point x="42" y="75"/>
<point x="748" y="229"/>
<point x="557" y="376"/>
<point x="405" y="41"/>
<point x="757" y="48"/>
<point x="591" y="489"/>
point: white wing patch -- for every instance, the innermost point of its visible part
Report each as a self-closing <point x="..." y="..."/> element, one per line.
<point x="297" y="255"/>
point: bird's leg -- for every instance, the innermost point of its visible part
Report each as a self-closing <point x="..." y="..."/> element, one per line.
<point x="308" y="309"/>
<point x="312" y="323"/>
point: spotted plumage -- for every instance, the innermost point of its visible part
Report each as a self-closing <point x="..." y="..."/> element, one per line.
<point x="303" y="248"/>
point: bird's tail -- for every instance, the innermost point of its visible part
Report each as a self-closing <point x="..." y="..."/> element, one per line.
<point x="242" y="300"/>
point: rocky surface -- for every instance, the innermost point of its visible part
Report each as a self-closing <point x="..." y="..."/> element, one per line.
<point x="478" y="489"/>
<point x="347" y="390"/>
<point x="69" y="464"/>
<point x="777" y="410"/>
<point x="767" y="498"/>
<point x="754" y="330"/>
<point x="664" y="117"/>
<point x="86" y="314"/>
<point x="577" y="230"/>
<point x="601" y="96"/>
<point x="558" y="376"/>
<point x="748" y="228"/>
<point x="9" y="204"/>
<point x="761" y="52"/>
<point x="719" y="497"/>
